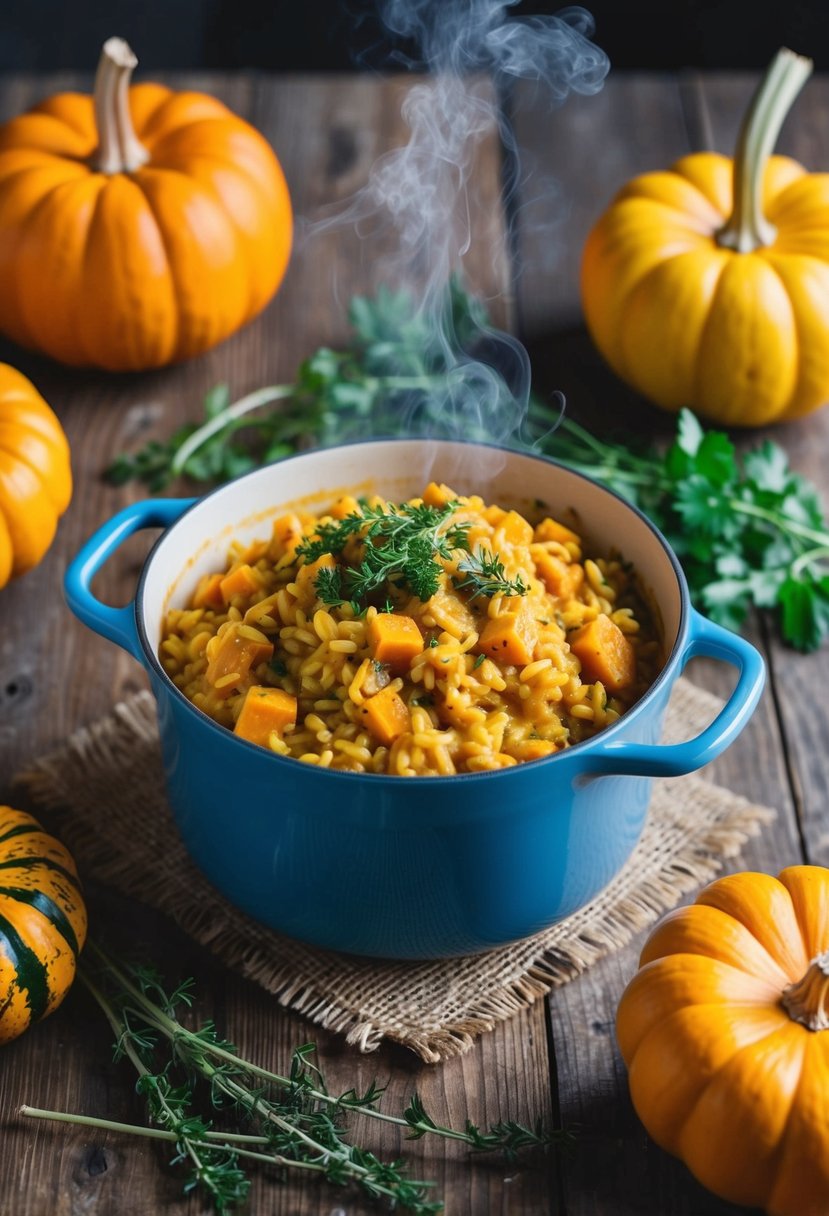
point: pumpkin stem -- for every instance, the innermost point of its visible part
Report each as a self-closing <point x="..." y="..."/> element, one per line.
<point x="747" y="228"/>
<point x="807" y="1000"/>
<point x="119" y="150"/>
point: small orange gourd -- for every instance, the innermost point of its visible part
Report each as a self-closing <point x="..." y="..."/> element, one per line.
<point x="42" y="922"/>
<point x="35" y="474"/>
<point x="707" y="285"/>
<point x="138" y="227"/>
<point x="725" y="1032"/>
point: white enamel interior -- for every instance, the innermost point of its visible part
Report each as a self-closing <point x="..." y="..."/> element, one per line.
<point x="398" y="469"/>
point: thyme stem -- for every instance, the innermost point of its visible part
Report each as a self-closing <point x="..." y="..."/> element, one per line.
<point x="133" y="1129"/>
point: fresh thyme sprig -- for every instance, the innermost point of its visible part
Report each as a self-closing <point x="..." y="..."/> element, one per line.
<point x="291" y="1121"/>
<point x="399" y="545"/>
<point x="484" y="575"/>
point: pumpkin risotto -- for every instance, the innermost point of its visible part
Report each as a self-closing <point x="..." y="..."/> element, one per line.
<point x="432" y="637"/>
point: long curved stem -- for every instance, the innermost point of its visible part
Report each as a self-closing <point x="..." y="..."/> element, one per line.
<point x="253" y="401"/>
<point x="279" y="392"/>
<point x="119" y="149"/>
<point x="747" y="227"/>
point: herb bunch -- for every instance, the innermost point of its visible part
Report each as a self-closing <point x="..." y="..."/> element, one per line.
<point x="399" y="545"/>
<point x="291" y="1122"/>
<point x="749" y="531"/>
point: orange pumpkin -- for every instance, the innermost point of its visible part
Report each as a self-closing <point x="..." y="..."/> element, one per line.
<point x="707" y="285"/>
<point x="724" y="1031"/>
<point x="35" y="474"/>
<point x="137" y="227"/>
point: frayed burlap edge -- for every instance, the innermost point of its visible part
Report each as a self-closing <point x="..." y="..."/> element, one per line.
<point x="107" y="778"/>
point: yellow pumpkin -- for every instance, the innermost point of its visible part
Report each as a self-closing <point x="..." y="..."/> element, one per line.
<point x="138" y="227"/>
<point x="724" y="1031"/>
<point x="707" y="285"/>
<point x="42" y="922"/>
<point x="35" y="474"/>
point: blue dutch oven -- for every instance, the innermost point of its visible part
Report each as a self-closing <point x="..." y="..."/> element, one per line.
<point x="392" y="866"/>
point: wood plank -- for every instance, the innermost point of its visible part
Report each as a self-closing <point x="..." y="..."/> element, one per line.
<point x="591" y="149"/>
<point x="56" y="676"/>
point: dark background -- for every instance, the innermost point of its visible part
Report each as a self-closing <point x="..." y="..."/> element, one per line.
<point x="342" y="35"/>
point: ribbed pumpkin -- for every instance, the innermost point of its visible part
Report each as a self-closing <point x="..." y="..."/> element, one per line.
<point x="138" y="227"/>
<point x="35" y="474"/>
<point x="42" y="922"/>
<point x="707" y="285"/>
<point x="725" y="1031"/>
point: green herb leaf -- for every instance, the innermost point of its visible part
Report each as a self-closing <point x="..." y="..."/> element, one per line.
<point x="484" y="575"/>
<point x="805" y="611"/>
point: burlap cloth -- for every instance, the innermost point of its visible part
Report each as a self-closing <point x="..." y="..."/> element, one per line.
<point x="107" y="779"/>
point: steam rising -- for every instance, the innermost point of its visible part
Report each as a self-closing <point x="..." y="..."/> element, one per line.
<point x="417" y="196"/>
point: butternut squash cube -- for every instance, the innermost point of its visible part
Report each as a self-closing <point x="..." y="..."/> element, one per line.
<point x="287" y="533"/>
<point x="347" y="505"/>
<point x="438" y="495"/>
<point x="244" y="580"/>
<point x="265" y="710"/>
<point x="234" y="654"/>
<point x="208" y="594"/>
<point x="562" y="579"/>
<point x="510" y="637"/>
<point x="493" y="514"/>
<point x="386" y="715"/>
<point x="551" y="529"/>
<point x="394" y="640"/>
<point x="514" y="529"/>
<point x="605" y="654"/>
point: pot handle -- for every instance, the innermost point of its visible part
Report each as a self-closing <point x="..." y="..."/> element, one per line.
<point x="116" y="624"/>
<point x="675" y="759"/>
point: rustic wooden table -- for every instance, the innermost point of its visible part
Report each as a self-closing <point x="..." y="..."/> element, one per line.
<point x="558" y="1060"/>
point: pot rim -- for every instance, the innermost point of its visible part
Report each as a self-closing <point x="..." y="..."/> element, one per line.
<point x="596" y="743"/>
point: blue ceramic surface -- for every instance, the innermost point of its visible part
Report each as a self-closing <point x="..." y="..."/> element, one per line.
<point x="412" y="868"/>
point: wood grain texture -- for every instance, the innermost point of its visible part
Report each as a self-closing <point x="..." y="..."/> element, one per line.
<point x="55" y="676"/>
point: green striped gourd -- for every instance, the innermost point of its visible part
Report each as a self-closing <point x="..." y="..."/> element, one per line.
<point x="42" y="922"/>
